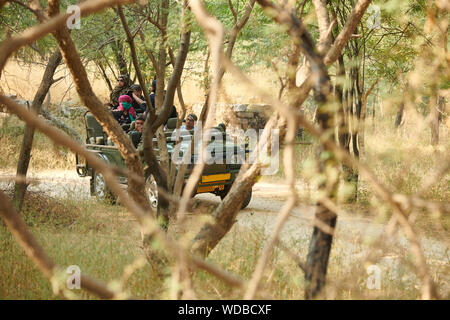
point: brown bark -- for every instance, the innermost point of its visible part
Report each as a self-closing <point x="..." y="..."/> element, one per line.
<point x="321" y="240"/>
<point x="323" y="20"/>
<point x="159" y="175"/>
<point x="27" y="142"/>
<point x="435" y="113"/>
<point x="356" y="112"/>
<point x="179" y="91"/>
<point x="112" y="128"/>
<point x="105" y="76"/>
<point x="117" y="48"/>
<point x="173" y="84"/>
<point x="342" y="116"/>
<point x="205" y="242"/>
<point x="238" y="25"/>
<point x="319" y="252"/>
<point x="62" y="139"/>
<point x="399" y="116"/>
<point x="225" y="214"/>
<point x="336" y="48"/>
<point x="174" y="79"/>
<point x="347" y="31"/>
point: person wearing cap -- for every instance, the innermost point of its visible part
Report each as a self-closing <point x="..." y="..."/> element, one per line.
<point x="122" y="88"/>
<point x="136" y="134"/>
<point x="139" y="104"/>
<point x="190" y="122"/>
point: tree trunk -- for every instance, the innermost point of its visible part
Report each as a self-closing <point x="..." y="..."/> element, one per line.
<point x="160" y="85"/>
<point x="105" y="76"/>
<point x="435" y="113"/>
<point x="117" y="48"/>
<point x="27" y="142"/>
<point x="136" y="189"/>
<point x="319" y="252"/>
<point x="238" y="25"/>
<point x="322" y="237"/>
<point x="399" y="117"/>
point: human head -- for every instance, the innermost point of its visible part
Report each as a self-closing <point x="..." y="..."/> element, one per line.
<point x="139" y="124"/>
<point x="190" y="121"/>
<point x="125" y="102"/>
<point x="137" y="90"/>
<point x="122" y="80"/>
<point x="222" y="127"/>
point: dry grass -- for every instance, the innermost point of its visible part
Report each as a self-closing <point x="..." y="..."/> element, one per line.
<point x="23" y="81"/>
<point x="44" y="155"/>
<point x="102" y="239"/>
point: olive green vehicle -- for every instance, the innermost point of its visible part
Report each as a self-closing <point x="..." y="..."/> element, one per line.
<point x="217" y="178"/>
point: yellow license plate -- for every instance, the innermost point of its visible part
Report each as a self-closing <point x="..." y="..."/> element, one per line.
<point x="209" y="188"/>
<point x="216" y="177"/>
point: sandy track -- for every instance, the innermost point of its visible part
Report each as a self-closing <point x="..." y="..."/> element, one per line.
<point x="353" y="233"/>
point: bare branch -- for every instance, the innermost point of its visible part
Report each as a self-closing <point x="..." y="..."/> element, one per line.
<point x="324" y="25"/>
<point x="9" y="45"/>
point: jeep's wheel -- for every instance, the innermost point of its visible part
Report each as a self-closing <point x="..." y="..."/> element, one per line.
<point x="151" y="188"/>
<point x="101" y="190"/>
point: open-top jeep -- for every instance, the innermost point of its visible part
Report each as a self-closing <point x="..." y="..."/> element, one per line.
<point x="217" y="177"/>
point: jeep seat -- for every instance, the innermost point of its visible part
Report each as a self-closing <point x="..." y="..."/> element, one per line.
<point x="94" y="130"/>
<point x="172" y="123"/>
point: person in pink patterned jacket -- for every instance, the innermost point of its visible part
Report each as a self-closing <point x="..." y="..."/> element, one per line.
<point x="126" y="106"/>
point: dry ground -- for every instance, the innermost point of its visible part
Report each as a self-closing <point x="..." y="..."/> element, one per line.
<point x="357" y="233"/>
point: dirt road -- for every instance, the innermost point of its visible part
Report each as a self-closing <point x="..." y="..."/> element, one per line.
<point x="352" y="242"/>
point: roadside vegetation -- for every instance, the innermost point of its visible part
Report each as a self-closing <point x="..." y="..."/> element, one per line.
<point x="367" y="185"/>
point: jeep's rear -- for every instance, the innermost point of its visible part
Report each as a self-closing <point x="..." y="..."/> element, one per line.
<point x="217" y="177"/>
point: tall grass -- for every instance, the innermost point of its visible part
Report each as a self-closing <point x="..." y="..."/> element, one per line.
<point x="44" y="155"/>
<point x="102" y="240"/>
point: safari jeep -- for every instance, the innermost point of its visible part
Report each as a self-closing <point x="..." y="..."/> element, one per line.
<point x="217" y="177"/>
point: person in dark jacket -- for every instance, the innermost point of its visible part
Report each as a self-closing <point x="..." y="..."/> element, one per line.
<point x="136" y="134"/>
<point x="173" y="110"/>
<point x="139" y="103"/>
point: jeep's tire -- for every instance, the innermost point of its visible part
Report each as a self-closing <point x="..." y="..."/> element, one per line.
<point x="151" y="190"/>
<point x="247" y="199"/>
<point x="100" y="189"/>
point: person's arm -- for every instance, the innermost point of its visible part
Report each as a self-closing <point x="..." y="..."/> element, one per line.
<point x="138" y="99"/>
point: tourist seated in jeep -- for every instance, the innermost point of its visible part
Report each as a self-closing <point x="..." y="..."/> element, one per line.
<point x="173" y="110"/>
<point x="136" y="129"/>
<point x="122" y="88"/>
<point x="139" y="104"/>
<point x="190" y="122"/>
<point x="125" y="113"/>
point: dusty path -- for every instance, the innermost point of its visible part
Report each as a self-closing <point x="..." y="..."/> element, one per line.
<point x="353" y="233"/>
